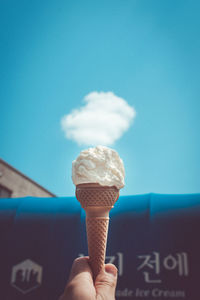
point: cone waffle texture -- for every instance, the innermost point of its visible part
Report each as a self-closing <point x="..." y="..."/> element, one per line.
<point x="94" y="195"/>
<point x="97" y="230"/>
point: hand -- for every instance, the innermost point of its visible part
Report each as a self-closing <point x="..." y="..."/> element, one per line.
<point x="82" y="287"/>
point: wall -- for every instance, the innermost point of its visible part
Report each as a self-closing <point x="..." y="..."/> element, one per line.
<point x="19" y="184"/>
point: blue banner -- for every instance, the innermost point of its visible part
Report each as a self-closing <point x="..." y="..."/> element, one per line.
<point x="153" y="240"/>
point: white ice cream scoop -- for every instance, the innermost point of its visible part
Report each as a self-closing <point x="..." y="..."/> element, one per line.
<point x="100" y="165"/>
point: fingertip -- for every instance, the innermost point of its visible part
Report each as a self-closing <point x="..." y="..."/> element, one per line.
<point x="81" y="260"/>
<point x="80" y="265"/>
<point x="111" y="269"/>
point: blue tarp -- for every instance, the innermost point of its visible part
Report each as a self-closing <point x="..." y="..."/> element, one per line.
<point x="153" y="240"/>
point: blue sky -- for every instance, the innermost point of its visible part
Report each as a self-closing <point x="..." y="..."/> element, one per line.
<point x="54" y="53"/>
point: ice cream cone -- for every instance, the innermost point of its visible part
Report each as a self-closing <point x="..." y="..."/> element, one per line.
<point x="97" y="202"/>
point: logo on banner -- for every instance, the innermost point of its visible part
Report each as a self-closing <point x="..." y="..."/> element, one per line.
<point x="26" y="276"/>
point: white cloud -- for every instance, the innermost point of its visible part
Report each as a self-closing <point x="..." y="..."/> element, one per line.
<point x="102" y="120"/>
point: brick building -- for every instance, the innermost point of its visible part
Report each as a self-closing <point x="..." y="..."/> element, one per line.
<point x="14" y="184"/>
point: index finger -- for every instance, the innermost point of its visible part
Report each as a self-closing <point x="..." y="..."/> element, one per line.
<point x="81" y="268"/>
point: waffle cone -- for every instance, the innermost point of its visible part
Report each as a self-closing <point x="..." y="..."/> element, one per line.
<point x="97" y="201"/>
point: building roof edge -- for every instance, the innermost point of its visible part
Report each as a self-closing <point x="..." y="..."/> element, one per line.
<point x="26" y="177"/>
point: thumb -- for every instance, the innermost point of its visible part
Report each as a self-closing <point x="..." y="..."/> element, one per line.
<point x="106" y="282"/>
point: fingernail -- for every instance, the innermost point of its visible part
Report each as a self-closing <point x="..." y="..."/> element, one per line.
<point x="111" y="269"/>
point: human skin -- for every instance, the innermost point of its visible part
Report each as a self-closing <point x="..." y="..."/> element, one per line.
<point x="81" y="286"/>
